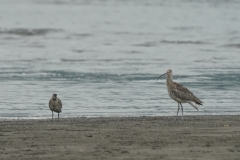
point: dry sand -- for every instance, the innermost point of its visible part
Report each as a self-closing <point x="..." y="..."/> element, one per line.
<point x="197" y="137"/>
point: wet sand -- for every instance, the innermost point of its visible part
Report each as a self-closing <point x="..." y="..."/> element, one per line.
<point x="196" y="137"/>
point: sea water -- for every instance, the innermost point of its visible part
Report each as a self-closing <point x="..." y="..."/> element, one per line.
<point x="103" y="57"/>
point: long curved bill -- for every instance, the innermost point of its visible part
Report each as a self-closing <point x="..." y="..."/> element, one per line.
<point x="161" y="75"/>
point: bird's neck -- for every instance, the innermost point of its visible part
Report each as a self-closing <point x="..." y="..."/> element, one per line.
<point x="169" y="79"/>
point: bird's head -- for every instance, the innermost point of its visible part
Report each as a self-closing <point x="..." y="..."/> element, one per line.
<point x="54" y="96"/>
<point x="168" y="73"/>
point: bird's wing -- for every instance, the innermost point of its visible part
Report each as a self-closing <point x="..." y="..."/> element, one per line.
<point x="60" y="103"/>
<point x="183" y="93"/>
<point x="49" y="103"/>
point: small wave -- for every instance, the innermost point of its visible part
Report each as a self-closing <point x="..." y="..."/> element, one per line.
<point x="62" y="2"/>
<point x="185" y="28"/>
<point x="72" y="60"/>
<point x="25" y="60"/>
<point x="99" y="60"/>
<point x="213" y="60"/>
<point x="205" y="60"/>
<point x="78" y="50"/>
<point x="27" y="32"/>
<point x="208" y="50"/>
<point x="132" y="52"/>
<point x="232" y="45"/>
<point x="133" y="33"/>
<point x="82" y="50"/>
<point x="82" y="35"/>
<point x="33" y="60"/>
<point x="56" y="75"/>
<point x="184" y="42"/>
<point x="226" y="78"/>
<point x="147" y="44"/>
<point x="121" y="33"/>
<point x="218" y="58"/>
<point x="151" y="44"/>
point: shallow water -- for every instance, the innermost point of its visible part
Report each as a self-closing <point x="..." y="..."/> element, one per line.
<point x="103" y="58"/>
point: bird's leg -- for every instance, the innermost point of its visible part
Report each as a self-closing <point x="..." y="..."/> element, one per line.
<point x="52" y="115"/>
<point x="58" y="116"/>
<point x="178" y="109"/>
<point x="182" y="110"/>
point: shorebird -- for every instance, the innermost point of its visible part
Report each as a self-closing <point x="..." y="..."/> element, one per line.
<point x="179" y="93"/>
<point x="55" y="105"/>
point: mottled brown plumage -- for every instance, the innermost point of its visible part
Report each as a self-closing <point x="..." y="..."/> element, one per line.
<point x="179" y="93"/>
<point x="55" y="105"/>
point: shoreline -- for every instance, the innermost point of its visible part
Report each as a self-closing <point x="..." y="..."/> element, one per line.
<point x="111" y="116"/>
<point x="144" y="137"/>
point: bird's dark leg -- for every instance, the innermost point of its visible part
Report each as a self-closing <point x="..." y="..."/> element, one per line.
<point x="178" y="109"/>
<point x="182" y="110"/>
<point x="52" y="115"/>
<point x="58" y="116"/>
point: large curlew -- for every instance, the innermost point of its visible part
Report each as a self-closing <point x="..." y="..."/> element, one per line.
<point x="179" y="93"/>
<point x="55" y="105"/>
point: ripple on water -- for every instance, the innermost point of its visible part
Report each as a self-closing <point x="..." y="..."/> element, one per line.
<point x="28" y="31"/>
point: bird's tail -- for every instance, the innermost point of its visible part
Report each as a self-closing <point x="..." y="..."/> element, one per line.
<point x="193" y="104"/>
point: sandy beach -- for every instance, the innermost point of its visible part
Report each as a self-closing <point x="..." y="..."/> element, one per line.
<point x="196" y="137"/>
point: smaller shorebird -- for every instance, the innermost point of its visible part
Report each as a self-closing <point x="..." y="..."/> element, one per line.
<point x="55" y="105"/>
<point x="179" y="93"/>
